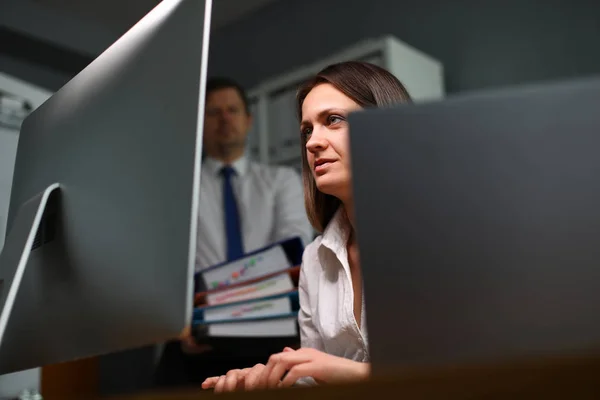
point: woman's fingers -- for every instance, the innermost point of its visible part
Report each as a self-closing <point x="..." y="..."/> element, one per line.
<point x="260" y="376"/>
<point x="279" y="364"/>
<point x="234" y="380"/>
<point x="295" y="373"/>
<point x="210" y="383"/>
<point x="263" y="379"/>
<point x="220" y="384"/>
<point x="231" y="383"/>
<point x="276" y="373"/>
<point x="252" y="379"/>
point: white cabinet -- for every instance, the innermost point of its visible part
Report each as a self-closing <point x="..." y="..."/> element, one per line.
<point x="275" y="136"/>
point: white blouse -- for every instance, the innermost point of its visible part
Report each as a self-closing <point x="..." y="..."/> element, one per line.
<point x="326" y="317"/>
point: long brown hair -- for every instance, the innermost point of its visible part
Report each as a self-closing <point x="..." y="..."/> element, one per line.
<point x="369" y="86"/>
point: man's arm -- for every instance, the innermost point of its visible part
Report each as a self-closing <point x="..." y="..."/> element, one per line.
<point x="290" y="214"/>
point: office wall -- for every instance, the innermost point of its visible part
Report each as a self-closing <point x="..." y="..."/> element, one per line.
<point x="38" y="61"/>
<point x="481" y="43"/>
<point x="12" y="384"/>
<point x="36" y="19"/>
<point x="9" y="138"/>
<point x="8" y="150"/>
<point x="36" y="74"/>
<point x="45" y="45"/>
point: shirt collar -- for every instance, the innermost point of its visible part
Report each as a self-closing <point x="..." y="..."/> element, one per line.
<point x="214" y="166"/>
<point x="336" y="233"/>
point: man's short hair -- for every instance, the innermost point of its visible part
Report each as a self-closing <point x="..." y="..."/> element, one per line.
<point x="218" y="83"/>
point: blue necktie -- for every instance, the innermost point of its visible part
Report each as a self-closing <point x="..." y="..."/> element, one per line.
<point x="235" y="247"/>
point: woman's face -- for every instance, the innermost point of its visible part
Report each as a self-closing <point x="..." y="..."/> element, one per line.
<point x="325" y="128"/>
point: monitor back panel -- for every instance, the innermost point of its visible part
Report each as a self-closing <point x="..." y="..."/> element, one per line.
<point x="478" y="222"/>
<point x="114" y="269"/>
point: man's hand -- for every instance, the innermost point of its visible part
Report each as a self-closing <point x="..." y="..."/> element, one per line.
<point x="189" y="345"/>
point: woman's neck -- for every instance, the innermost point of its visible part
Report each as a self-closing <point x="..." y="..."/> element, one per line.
<point x="349" y="217"/>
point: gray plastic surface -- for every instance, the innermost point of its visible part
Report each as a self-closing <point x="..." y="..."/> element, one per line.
<point x="122" y="139"/>
<point x="478" y="223"/>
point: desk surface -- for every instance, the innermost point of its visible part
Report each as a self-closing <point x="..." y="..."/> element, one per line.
<point x="558" y="378"/>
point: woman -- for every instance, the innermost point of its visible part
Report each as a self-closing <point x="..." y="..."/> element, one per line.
<point x="331" y="318"/>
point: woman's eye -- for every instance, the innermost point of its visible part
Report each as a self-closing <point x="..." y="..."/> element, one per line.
<point x="306" y="131"/>
<point x="334" y="119"/>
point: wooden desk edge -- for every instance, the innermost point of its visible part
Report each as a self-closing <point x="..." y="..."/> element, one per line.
<point x="560" y="378"/>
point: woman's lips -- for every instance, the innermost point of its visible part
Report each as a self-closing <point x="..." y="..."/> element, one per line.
<point x="322" y="165"/>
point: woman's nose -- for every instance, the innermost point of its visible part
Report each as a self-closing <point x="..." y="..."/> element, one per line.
<point x="316" y="142"/>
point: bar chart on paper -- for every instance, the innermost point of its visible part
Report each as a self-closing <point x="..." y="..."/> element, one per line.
<point x="277" y="284"/>
<point x="246" y="268"/>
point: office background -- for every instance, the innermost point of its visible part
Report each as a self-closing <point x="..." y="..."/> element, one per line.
<point x="481" y="44"/>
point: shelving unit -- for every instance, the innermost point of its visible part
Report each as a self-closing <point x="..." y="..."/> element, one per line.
<point x="274" y="137"/>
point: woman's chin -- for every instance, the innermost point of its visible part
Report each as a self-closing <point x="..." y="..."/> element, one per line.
<point x="329" y="185"/>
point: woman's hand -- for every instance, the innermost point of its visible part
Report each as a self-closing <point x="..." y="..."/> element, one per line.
<point x="322" y="367"/>
<point x="284" y="369"/>
<point x="235" y="380"/>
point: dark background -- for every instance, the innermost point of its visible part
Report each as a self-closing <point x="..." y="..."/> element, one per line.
<point x="481" y="44"/>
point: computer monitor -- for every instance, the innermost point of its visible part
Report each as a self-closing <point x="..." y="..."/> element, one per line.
<point x="100" y="249"/>
<point x="478" y="225"/>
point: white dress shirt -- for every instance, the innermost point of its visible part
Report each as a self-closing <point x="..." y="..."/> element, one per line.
<point x="326" y="318"/>
<point x="270" y="203"/>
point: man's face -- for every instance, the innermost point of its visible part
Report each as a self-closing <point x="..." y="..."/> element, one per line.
<point x="226" y="122"/>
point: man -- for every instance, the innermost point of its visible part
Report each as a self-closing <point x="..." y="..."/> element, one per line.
<point x="269" y="199"/>
<point x="244" y="206"/>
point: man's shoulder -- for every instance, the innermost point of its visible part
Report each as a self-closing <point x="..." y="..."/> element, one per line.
<point x="273" y="172"/>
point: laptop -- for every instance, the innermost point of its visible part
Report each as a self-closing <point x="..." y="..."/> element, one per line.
<point x="478" y="221"/>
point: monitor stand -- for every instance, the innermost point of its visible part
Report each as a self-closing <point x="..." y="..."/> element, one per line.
<point x="17" y="248"/>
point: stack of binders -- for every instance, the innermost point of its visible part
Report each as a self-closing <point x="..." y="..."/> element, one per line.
<point x="255" y="296"/>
